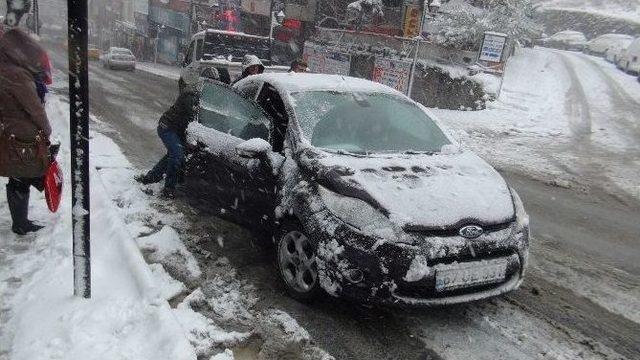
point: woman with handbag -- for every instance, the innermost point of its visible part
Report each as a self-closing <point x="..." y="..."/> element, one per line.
<point x="24" y="127"/>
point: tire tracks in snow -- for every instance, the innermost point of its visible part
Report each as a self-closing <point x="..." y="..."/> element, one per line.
<point x="588" y="161"/>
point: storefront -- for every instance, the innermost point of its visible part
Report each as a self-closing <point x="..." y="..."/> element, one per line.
<point x="171" y="29"/>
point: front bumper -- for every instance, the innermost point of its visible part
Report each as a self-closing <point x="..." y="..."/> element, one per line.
<point x="383" y="266"/>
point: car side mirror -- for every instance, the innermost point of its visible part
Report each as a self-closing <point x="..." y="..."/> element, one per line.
<point x="254" y="149"/>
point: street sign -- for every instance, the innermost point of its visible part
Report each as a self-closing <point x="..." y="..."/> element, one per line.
<point x="493" y="45"/>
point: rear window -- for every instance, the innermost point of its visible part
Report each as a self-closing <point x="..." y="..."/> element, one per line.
<point x="223" y="45"/>
<point x="122" y="51"/>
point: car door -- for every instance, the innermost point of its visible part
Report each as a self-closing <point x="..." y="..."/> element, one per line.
<point x="238" y="187"/>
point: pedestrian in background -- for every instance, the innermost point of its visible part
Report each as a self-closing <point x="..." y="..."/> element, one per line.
<point x="172" y="129"/>
<point x="24" y="126"/>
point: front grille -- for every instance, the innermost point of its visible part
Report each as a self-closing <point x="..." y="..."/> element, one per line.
<point x="453" y="231"/>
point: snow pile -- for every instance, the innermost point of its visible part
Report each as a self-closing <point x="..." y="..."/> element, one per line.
<point x="202" y="332"/>
<point x="166" y="248"/>
<point x="125" y="318"/>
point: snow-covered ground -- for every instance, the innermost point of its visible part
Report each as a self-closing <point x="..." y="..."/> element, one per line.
<point x="624" y="9"/>
<point x="129" y="314"/>
<point x="126" y="316"/>
<point x="556" y="126"/>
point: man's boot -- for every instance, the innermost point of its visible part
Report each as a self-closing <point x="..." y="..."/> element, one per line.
<point x="19" y="209"/>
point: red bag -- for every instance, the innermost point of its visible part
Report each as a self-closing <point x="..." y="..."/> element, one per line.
<point x="53" y="180"/>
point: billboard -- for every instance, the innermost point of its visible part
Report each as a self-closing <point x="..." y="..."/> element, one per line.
<point x="393" y="73"/>
<point x="303" y="10"/>
<point x="412" y="19"/>
<point x="323" y="61"/>
<point x="258" y="7"/>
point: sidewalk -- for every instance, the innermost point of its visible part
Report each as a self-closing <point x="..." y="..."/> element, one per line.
<point x="168" y="71"/>
<point x="126" y="316"/>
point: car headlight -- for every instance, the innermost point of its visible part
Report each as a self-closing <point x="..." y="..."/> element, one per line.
<point x="521" y="215"/>
<point x="358" y="214"/>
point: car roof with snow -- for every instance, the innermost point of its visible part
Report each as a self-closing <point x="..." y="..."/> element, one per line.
<point x="300" y="82"/>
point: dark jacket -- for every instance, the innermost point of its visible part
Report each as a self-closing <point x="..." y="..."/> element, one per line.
<point x="22" y="113"/>
<point x="181" y="113"/>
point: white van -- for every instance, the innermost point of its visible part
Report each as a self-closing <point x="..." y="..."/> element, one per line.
<point x="223" y="50"/>
<point x="629" y="59"/>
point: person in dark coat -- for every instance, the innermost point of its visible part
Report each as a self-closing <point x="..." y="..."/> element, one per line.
<point x="251" y="65"/>
<point x="172" y="129"/>
<point x="22" y="114"/>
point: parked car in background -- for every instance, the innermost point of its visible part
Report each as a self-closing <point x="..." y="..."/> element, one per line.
<point x="360" y="189"/>
<point x="614" y="53"/>
<point x="629" y="60"/>
<point x="602" y="43"/>
<point x="566" y="40"/>
<point x="119" y="58"/>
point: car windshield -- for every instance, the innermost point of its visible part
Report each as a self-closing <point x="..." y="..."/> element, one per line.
<point x="121" y="52"/>
<point x="366" y="123"/>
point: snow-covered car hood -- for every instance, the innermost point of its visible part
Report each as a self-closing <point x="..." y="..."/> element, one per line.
<point x="419" y="192"/>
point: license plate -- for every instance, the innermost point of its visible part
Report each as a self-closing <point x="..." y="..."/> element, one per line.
<point x="463" y="275"/>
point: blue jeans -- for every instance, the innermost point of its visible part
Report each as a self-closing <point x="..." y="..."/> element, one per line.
<point x="172" y="162"/>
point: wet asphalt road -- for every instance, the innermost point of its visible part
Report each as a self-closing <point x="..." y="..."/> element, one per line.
<point x="592" y="234"/>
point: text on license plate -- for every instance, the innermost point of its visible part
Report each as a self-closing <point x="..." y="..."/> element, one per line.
<point x="457" y="276"/>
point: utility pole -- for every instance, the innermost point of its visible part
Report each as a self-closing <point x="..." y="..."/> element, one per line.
<point x="79" y="119"/>
<point x="36" y="18"/>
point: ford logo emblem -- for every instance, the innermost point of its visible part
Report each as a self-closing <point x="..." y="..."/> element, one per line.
<point x="471" y="231"/>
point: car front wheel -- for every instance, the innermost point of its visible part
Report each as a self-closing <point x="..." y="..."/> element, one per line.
<point x="297" y="265"/>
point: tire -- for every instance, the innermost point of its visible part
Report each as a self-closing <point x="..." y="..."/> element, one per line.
<point x="296" y="262"/>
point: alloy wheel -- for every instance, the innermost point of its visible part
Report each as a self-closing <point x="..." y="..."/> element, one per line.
<point x="297" y="260"/>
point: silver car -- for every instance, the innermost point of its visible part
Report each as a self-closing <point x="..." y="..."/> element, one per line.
<point x="119" y="58"/>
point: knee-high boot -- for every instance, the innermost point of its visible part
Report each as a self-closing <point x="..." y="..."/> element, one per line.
<point x="19" y="208"/>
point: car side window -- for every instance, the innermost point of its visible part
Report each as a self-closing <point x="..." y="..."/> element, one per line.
<point x="223" y="109"/>
<point x="269" y="99"/>
<point x="189" y="56"/>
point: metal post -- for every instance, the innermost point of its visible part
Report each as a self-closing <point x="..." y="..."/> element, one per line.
<point x="36" y="18"/>
<point x="413" y="68"/>
<point x="270" y="32"/>
<point x="79" y="116"/>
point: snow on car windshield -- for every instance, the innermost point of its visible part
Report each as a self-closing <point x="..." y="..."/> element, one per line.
<point x="366" y="123"/>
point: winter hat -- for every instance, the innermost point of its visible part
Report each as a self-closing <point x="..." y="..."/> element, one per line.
<point x="18" y="48"/>
<point x="250" y="60"/>
<point x="210" y="73"/>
